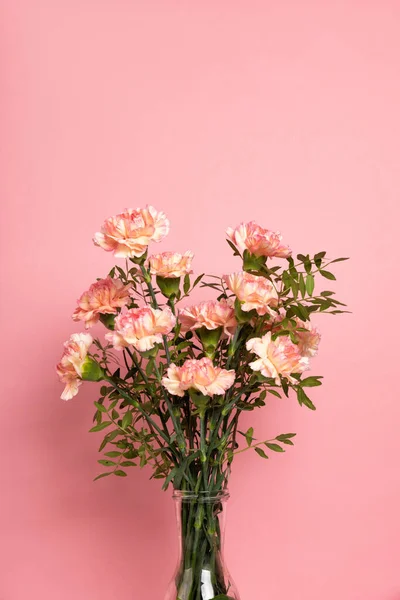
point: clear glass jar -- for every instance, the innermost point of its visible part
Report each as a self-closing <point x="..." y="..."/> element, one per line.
<point x="201" y="573"/>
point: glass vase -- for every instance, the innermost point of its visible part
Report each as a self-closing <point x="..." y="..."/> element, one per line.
<point x="201" y="573"/>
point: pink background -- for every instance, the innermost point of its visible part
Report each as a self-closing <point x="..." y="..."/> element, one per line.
<point x="286" y="112"/>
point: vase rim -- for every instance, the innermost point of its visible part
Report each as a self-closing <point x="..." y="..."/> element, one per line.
<point x="204" y="496"/>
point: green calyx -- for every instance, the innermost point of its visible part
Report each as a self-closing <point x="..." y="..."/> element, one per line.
<point x="209" y="339"/>
<point x="108" y="321"/>
<point x="139" y="260"/>
<point x="243" y="316"/>
<point x="200" y="401"/>
<point x="251" y="262"/>
<point x="91" y="370"/>
<point x="152" y="353"/>
<point x="169" y="286"/>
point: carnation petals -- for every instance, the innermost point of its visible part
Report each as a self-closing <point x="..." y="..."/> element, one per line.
<point x="105" y="296"/>
<point x="141" y="328"/>
<point x="69" y="369"/>
<point x="200" y="375"/>
<point x="211" y="314"/>
<point x="276" y="358"/>
<point x="129" y="233"/>
<point x="258" y="241"/>
<point x="171" y="264"/>
<point x="254" y="292"/>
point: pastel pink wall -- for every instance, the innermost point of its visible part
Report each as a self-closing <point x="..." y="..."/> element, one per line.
<point x="286" y="112"/>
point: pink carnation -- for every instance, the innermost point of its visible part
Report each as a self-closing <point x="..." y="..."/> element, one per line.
<point x="171" y="264"/>
<point x="128" y="234"/>
<point x="257" y="240"/>
<point x="105" y="296"/>
<point x="200" y="375"/>
<point x="279" y="357"/>
<point x="142" y="328"/>
<point x="69" y="369"/>
<point x="210" y="314"/>
<point x="308" y="340"/>
<point x="254" y="292"/>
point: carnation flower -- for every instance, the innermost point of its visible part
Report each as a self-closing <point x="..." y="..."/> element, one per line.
<point x="171" y="264"/>
<point x="105" y="296"/>
<point x="69" y="369"/>
<point x="254" y="292"/>
<point x="200" y="375"/>
<point x="142" y="328"/>
<point x="308" y="341"/>
<point x="128" y="234"/>
<point x="257" y="240"/>
<point x="280" y="357"/>
<point x="211" y="314"/>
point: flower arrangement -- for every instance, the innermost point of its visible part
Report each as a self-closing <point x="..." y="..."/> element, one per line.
<point x="176" y="379"/>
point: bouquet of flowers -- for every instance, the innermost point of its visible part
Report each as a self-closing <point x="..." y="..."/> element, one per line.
<point x="176" y="377"/>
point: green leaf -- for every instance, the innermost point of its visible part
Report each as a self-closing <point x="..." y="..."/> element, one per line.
<point x="100" y="426"/>
<point x="197" y="280"/>
<point x="327" y="293"/>
<point x="274" y="393"/>
<point x="233" y="247"/>
<point x="186" y="284"/>
<point x="120" y="473"/>
<point x="304" y="399"/>
<point x="261" y="452"/>
<point x="150" y="367"/>
<point x="302" y="285"/>
<point x="285" y="436"/>
<point x="112" y="454"/>
<point x="311" y="382"/>
<point x="285" y="387"/>
<point x="128" y="463"/>
<point x="301" y="312"/>
<point x="339" y="259"/>
<point x="127" y="419"/>
<point x="274" y="447"/>
<point x="295" y="288"/>
<point x="107" y="463"/>
<point x="130" y="454"/>
<point x="310" y="283"/>
<point x="100" y="407"/>
<point x="249" y="436"/>
<point x="108" y="438"/>
<point x="102" y="475"/>
<point x="327" y="275"/>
